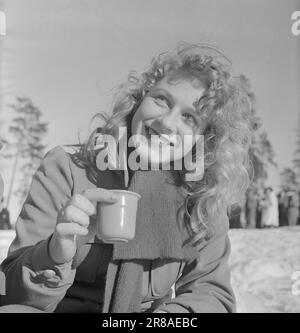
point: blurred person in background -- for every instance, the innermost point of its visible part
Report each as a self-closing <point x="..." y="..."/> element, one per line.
<point x="252" y="200"/>
<point x="283" y="208"/>
<point x="260" y="196"/>
<point x="4" y="217"/>
<point x="293" y="207"/>
<point x="269" y="207"/>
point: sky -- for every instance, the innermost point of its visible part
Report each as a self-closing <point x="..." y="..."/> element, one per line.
<point x="68" y="55"/>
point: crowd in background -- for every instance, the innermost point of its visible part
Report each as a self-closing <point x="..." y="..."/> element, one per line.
<point x="263" y="208"/>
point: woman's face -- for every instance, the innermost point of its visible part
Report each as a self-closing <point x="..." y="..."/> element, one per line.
<point x="167" y="114"/>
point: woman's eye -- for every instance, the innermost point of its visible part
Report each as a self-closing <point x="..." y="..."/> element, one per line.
<point x="162" y="100"/>
<point x="189" y="118"/>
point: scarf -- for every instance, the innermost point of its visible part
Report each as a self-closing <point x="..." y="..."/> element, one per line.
<point x="158" y="236"/>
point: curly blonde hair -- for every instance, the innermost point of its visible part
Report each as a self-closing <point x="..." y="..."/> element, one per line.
<point x="227" y="106"/>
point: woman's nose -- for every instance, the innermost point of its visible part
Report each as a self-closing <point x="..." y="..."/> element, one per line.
<point x="168" y="123"/>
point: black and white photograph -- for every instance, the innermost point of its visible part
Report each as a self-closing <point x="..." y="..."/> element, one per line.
<point x="149" y="158"/>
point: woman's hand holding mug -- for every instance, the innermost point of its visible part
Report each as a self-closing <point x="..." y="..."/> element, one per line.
<point x="74" y="219"/>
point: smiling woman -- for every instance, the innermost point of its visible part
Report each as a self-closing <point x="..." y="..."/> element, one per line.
<point x="58" y="263"/>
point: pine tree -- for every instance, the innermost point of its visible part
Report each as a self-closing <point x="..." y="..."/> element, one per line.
<point x="261" y="151"/>
<point x="262" y="156"/>
<point x="27" y="148"/>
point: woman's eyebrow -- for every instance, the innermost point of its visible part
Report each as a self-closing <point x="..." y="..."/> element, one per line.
<point x="162" y="90"/>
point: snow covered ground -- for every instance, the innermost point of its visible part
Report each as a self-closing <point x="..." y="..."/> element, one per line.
<point x="262" y="264"/>
<point x="6" y="237"/>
